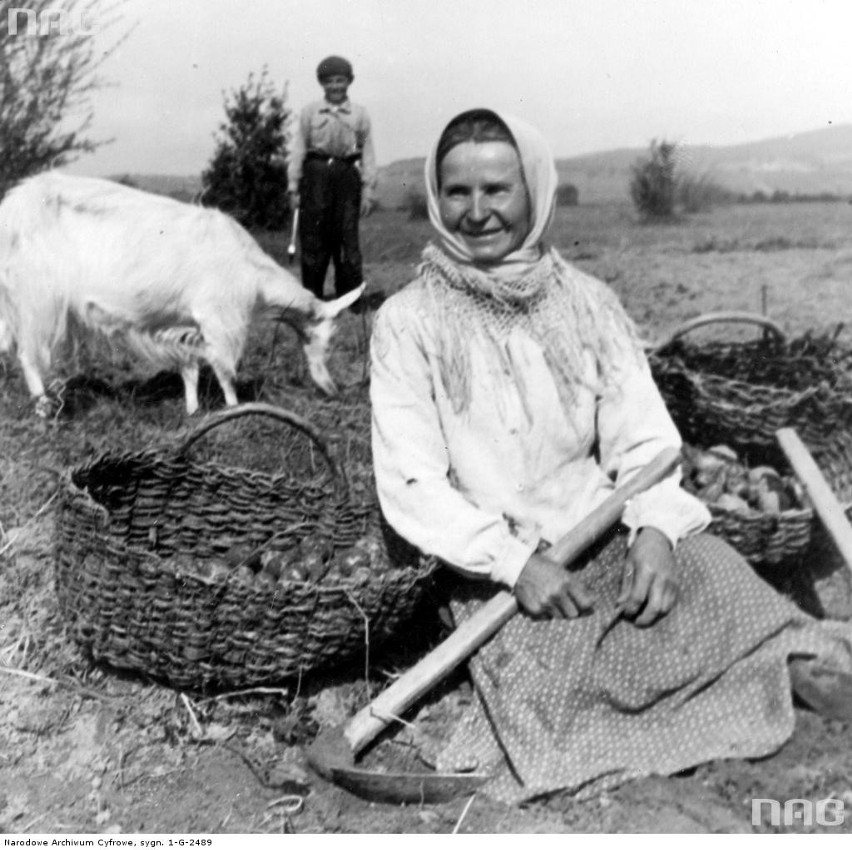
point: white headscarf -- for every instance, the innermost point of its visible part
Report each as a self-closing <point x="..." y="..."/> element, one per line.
<point x="531" y="290"/>
<point x="539" y="172"/>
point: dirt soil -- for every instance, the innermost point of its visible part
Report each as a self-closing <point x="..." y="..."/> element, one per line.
<point x="86" y="749"/>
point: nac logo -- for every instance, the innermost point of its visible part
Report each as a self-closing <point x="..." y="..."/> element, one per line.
<point x="29" y="23"/>
<point x="828" y="812"/>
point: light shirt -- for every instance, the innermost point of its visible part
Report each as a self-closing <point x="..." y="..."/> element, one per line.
<point x="481" y="488"/>
<point x="340" y="130"/>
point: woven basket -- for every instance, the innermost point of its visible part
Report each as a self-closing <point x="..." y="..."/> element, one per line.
<point x="764" y="539"/>
<point x="128" y="523"/>
<point x="742" y="393"/>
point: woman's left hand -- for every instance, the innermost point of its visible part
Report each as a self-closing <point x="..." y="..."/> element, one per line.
<point x="649" y="587"/>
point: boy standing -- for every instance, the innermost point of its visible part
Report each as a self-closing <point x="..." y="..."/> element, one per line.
<point x="332" y="178"/>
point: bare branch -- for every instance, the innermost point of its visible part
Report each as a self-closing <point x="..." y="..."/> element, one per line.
<point x="49" y="70"/>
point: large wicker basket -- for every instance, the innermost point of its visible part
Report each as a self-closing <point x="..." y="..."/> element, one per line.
<point x="128" y="524"/>
<point x="740" y="394"/>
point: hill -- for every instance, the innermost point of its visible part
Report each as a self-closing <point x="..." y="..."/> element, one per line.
<point x="183" y="188"/>
<point x="804" y="163"/>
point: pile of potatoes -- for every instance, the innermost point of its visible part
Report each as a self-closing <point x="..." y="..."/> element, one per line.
<point x="718" y="477"/>
<point x="311" y="560"/>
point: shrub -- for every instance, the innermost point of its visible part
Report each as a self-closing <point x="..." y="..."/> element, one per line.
<point x="247" y="176"/>
<point x="416" y="204"/>
<point x="567" y="195"/>
<point x="652" y="185"/>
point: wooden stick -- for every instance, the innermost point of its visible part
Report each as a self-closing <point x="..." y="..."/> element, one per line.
<point x="826" y="504"/>
<point x="473" y="632"/>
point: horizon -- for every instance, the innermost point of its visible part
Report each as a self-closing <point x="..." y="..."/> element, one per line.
<point x="594" y="75"/>
<point x="558" y="159"/>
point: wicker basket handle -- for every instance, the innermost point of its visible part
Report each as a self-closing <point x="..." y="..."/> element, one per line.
<point x="713" y="318"/>
<point x="280" y="413"/>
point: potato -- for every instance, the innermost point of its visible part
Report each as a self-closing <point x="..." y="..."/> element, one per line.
<point x="188" y="564"/>
<point x="730" y="502"/>
<point x="711" y="493"/>
<point x="362" y="575"/>
<point x="316" y="567"/>
<point x="350" y="560"/>
<point x="769" y="495"/>
<point x="213" y="569"/>
<point x="311" y="564"/>
<point x="293" y="573"/>
<point x="200" y="568"/>
<point x="219" y="570"/>
<point x="758" y="473"/>
<point x="374" y="546"/>
<point x="706" y="464"/>
<point x="736" y="480"/>
<point x="323" y="546"/>
<point x="769" y="502"/>
<point x="243" y="555"/>
<point x="709" y="475"/>
<point x="797" y="495"/>
<point x="272" y="563"/>
<point x="245" y="574"/>
<point x="725" y="453"/>
<point x="264" y="578"/>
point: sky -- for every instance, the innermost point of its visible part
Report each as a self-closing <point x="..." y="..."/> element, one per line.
<point x="593" y="75"/>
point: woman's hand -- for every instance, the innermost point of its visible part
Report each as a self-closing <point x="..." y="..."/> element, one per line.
<point x="545" y="589"/>
<point x="649" y="587"/>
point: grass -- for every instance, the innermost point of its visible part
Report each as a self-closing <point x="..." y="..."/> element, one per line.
<point x="797" y="257"/>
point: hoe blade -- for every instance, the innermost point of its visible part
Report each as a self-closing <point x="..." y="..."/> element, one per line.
<point x="407" y="787"/>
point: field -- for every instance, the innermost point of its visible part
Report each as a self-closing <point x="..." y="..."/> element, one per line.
<point x="86" y="749"/>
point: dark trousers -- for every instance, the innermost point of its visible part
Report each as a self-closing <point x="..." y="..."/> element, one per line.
<point x="330" y="195"/>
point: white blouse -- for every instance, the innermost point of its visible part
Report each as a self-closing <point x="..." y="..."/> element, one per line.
<point x="481" y="489"/>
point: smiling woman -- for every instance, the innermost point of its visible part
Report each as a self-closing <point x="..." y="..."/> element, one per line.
<point x="510" y="396"/>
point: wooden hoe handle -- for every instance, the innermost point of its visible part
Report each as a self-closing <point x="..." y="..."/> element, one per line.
<point x="826" y="504"/>
<point x="473" y="632"/>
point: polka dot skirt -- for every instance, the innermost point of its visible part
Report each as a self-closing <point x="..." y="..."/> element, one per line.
<point x="583" y="705"/>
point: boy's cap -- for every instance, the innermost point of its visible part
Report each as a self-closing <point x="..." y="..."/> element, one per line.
<point x="333" y="66"/>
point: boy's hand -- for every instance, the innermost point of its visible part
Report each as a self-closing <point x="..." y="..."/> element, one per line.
<point x="649" y="587"/>
<point x="545" y="589"/>
<point x="367" y="205"/>
<point x="294" y="200"/>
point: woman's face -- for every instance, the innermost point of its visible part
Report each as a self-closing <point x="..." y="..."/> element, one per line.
<point x="483" y="199"/>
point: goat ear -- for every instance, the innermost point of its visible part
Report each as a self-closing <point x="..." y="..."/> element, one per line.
<point x="330" y="309"/>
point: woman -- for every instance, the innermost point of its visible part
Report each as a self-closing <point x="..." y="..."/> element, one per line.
<point x="510" y="396"/>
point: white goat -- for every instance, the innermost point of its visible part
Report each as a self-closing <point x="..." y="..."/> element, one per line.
<point x="180" y="283"/>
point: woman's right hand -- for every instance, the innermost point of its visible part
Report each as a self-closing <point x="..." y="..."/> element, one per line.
<point x="545" y="589"/>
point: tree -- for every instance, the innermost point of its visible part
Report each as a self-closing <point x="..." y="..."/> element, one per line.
<point x="567" y="195"/>
<point x="48" y="74"/>
<point x="652" y="185"/>
<point x="247" y="176"/>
